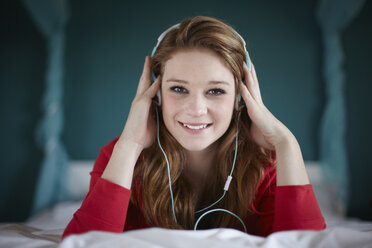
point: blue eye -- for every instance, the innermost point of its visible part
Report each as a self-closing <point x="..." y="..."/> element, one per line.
<point x="216" y="92"/>
<point x="178" y="89"/>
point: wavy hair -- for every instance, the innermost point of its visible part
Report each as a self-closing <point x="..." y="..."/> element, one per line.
<point x="151" y="169"/>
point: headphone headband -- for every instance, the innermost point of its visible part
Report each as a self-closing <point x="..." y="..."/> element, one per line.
<point x="161" y="37"/>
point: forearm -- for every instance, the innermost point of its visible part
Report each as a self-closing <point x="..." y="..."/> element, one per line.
<point x="290" y="164"/>
<point x="120" y="167"/>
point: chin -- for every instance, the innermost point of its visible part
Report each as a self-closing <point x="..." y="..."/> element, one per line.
<point x="196" y="146"/>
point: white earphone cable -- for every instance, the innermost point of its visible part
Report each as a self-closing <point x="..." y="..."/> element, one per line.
<point x="226" y="187"/>
<point x="166" y="159"/>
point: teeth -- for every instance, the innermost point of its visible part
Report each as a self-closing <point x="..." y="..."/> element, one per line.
<point x="195" y="127"/>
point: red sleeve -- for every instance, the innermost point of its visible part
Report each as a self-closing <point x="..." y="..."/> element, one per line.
<point x="106" y="204"/>
<point x="279" y="208"/>
<point x="297" y="208"/>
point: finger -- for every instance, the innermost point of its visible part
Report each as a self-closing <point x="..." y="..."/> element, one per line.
<point x="151" y="91"/>
<point x="254" y="74"/>
<point x="253" y="71"/>
<point x="247" y="96"/>
<point x="145" y="79"/>
<point x="252" y="84"/>
<point x="255" y="110"/>
<point x="249" y="81"/>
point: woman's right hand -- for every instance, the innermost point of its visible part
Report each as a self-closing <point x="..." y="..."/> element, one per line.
<point x="140" y="127"/>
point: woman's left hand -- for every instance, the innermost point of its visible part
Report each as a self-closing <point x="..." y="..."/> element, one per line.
<point x="266" y="130"/>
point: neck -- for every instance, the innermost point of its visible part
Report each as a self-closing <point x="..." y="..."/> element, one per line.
<point x="198" y="166"/>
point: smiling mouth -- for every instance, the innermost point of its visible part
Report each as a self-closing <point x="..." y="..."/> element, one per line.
<point x="195" y="126"/>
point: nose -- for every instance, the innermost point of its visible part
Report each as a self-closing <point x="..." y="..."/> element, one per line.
<point x="196" y="105"/>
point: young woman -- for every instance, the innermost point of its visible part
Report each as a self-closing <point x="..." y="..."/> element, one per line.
<point x="202" y="157"/>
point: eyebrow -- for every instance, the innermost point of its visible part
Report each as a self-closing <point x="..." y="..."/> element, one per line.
<point x="215" y="82"/>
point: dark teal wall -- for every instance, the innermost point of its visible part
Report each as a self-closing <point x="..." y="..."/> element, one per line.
<point x="105" y="49"/>
<point x="357" y="42"/>
<point x="22" y="65"/>
<point x="107" y="43"/>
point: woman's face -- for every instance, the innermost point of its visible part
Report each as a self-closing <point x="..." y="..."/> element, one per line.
<point x="198" y="93"/>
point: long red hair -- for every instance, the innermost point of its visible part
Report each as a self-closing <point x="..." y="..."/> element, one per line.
<point x="151" y="169"/>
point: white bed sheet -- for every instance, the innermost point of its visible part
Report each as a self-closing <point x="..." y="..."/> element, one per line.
<point x="221" y="238"/>
<point x="45" y="230"/>
<point x="42" y="230"/>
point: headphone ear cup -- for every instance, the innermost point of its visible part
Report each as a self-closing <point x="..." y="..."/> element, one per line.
<point x="157" y="98"/>
<point x="158" y="95"/>
<point x="248" y="61"/>
<point x="239" y="100"/>
<point x="239" y="104"/>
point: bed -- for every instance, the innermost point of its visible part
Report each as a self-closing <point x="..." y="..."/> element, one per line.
<point x="45" y="229"/>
